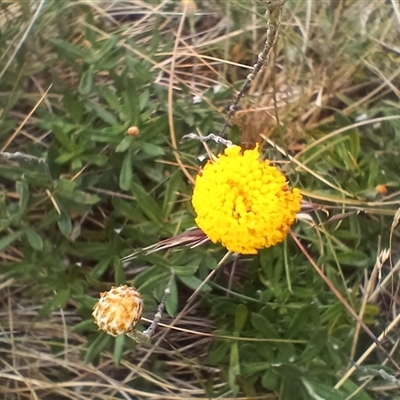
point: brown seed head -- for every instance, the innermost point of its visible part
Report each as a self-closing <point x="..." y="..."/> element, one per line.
<point x="119" y="310"/>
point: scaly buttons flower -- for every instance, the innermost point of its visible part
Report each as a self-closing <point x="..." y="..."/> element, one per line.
<point x="119" y="310"/>
<point x="244" y="202"/>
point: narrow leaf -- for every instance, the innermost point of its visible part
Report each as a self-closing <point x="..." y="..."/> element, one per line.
<point x="171" y="302"/>
<point x="147" y="204"/>
<point x="22" y="189"/>
<point x="125" y="177"/>
<point x="34" y="239"/>
<point x="124" y="145"/>
<point x="6" y="241"/>
<point x="119" y="273"/>
<point x="86" y="82"/>
<point x="97" y="346"/>
<point x="119" y="349"/>
<point x="241" y="314"/>
<point x="64" y="224"/>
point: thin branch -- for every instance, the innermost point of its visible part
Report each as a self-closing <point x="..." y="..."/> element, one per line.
<point x="211" y="136"/>
<point x="273" y="13"/>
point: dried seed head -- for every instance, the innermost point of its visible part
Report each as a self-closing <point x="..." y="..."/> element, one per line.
<point x="119" y="310"/>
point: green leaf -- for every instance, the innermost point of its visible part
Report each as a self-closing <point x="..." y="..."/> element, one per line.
<point x="300" y="320"/>
<point x="286" y="351"/>
<point x="193" y="283"/>
<point x="57" y="302"/>
<point x="111" y="44"/>
<point x="318" y="391"/>
<point x="93" y="250"/>
<point x="125" y="177"/>
<point x="131" y="101"/>
<point x="234" y="367"/>
<point x="219" y="352"/>
<point x="103" y="114"/>
<point x="189" y="269"/>
<point x="254" y="367"/>
<point x="86" y="82"/>
<point x="66" y="188"/>
<point x="119" y="273"/>
<point x="241" y="314"/>
<point x="291" y="388"/>
<point x="270" y="379"/>
<point x="95" y="159"/>
<point x="61" y="130"/>
<point x="110" y="96"/>
<point x="97" y="346"/>
<point x="150" y="278"/>
<point x="151" y="149"/>
<point x="144" y="99"/>
<point x="68" y="49"/>
<point x="171" y="302"/>
<point x="263" y="326"/>
<point x="128" y="209"/>
<point x="350" y="387"/>
<point x="354" y="258"/>
<point x="61" y="298"/>
<point x="76" y="164"/>
<point x="64" y="158"/>
<point x="119" y="349"/>
<point x="7" y="240"/>
<point x="172" y="192"/>
<point x="106" y="134"/>
<point x="85" y="198"/>
<point x="147" y="204"/>
<point x="354" y="147"/>
<point x="34" y="239"/>
<point x="22" y="189"/>
<point x="84" y="326"/>
<point x="125" y="144"/>
<point x="159" y="260"/>
<point x="101" y="267"/>
<point x="85" y="301"/>
<point x="74" y="107"/>
<point x="315" y="346"/>
<point x="64" y="224"/>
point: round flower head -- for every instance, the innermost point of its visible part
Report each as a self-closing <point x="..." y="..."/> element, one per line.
<point x="244" y="202"/>
<point x="119" y="310"/>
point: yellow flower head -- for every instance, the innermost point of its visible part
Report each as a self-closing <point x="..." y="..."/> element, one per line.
<point x="119" y="310"/>
<point x="244" y="202"/>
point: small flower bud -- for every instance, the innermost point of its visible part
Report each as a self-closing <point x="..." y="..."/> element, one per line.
<point x="133" y="131"/>
<point x="381" y="189"/>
